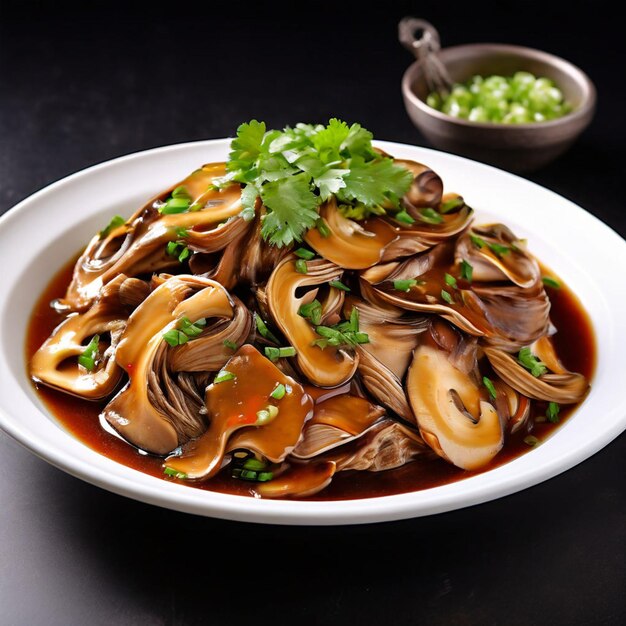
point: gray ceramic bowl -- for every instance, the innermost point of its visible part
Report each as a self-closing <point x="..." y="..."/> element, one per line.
<point x="519" y="147"/>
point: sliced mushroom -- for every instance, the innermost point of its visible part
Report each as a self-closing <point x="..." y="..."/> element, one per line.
<point x="512" y="407"/>
<point x="233" y="407"/>
<point x="139" y="245"/>
<point x="452" y="417"/>
<point x="349" y="244"/>
<point x="336" y="421"/>
<point x="496" y="254"/>
<point x="329" y="367"/>
<point x="131" y="412"/>
<point x="210" y="351"/>
<point x="427" y="187"/>
<point x="563" y="388"/>
<point x="298" y="481"/>
<point x="56" y="364"/>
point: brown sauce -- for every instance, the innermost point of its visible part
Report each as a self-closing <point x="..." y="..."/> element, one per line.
<point x="575" y="346"/>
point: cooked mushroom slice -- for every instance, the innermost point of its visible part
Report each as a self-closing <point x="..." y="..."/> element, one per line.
<point x="56" y="363"/>
<point x="139" y="245"/>
<point x="427" y="187"/>
<point x="298" y="481"/>
<point x="392" y="337"/>
<point x="452" y="417"/>
<point x="512" y="407"/>
<point x="496" y="254"/>
<point x="258" y="258"/>
<point x="387" y="445"/>
<point x="131" y="412"/>
<point x="336" y="421"/>
<point x="133" y="292"/>
<point x="563" y="388"/>
<point x="241" y="399"/>
<point x="215" y="345"/>
<point x="383" y="384"/>
<point x="349" y="244"/>
<point x="329" y="367"/>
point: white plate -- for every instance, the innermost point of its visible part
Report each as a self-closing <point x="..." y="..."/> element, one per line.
<point x="43" y="231"/>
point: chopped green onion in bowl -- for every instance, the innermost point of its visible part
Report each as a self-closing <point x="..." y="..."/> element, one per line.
<point x="519" y="99"/>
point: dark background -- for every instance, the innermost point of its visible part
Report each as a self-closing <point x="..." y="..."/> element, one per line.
<point x="80" y="86"/>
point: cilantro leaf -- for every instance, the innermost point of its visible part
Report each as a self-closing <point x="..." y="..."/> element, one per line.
<point x="246" y="147"/>
<point x="293" y="209"/>
<point x="369" y="182"/>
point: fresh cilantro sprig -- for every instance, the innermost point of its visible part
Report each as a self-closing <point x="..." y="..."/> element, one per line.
<point x="294" y="170"/>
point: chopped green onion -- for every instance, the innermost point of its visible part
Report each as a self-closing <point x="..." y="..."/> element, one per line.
<point x="230" y="344"/>
<point x="337" y="284"/>
<point x="305" y="254"/>
<point x="175" y="337"/>
<point x="531" y="440"/>
<point x="181" y="232"/>
<point x="531" y="362"/>
<point x="181" y="192"/>
<point x="498" y="249"/>
<point x="404" y="217"/>
<point x="263" y="477"/>
<point x="552" y="412"/>
<point x="446" y="296"/>
<point x="430" y="216"/>
<point x="450" y="280"/>
<point x="551" y="282"/>
<point x="466" y="271"/>
<point x="449" y="205"/>
<point x="279" y="392"/>
<point x="115" y="222"/>
<point x="477" y="241"/>
<point x="288" y="351"/>
<point x="404" y="284"/>
<point x="191" y="330"/>
<point x="273" y="354"/>
<point x="177" y="249"/>
<point x="322" y="228"/>
<point x="263" y="329"/>
<point x="170" y="471"/>
<point x="362" y="337"/>
<point x="490" y="387"/>
<point x="312" y="311"/>
<point x="175" y="205"/>
<point x="266" y="415"/>
<point x="88" y="358"/>
<point x="301" y="267"/>
<point x="223" y="376"/>
<point x="184" y="255"/>
<point x="254" y="464"/>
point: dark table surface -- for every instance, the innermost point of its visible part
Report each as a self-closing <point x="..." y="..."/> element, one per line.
<point x="79" y="87"/>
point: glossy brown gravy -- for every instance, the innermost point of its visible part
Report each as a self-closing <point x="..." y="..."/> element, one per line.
<point x="574" y="342"/>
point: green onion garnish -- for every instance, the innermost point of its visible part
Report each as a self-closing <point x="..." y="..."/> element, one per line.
<point x="181" y="192"/>
<point x="552" y="412"/>
<point x="273" y="354"/>
<point x="477" y="241"/>
<point x="449" y="205"/>
<point x="191" y="329"/>
<point x="266" y="415"/>
<point x="263" y="329"/>
<point x="301" y="267"/>
<point x="181" y="232"/>
<point x="446" y="296"/>
<point x="254" y="464"/>
<point x="337" y="284"/>
<point x="466" y="271"/>
<point x="231" y="345"/>
<point x="88" y="358"/>
<point x="430" y="216"/>
<point x="115" y="222"/>
<point x="404" y="217"/>
<point x="305" y="254"/>
<point x="177" y="249"/>
<point x="528" y="360"/>
<point x="551" y="282"/>
<point x="498" y="249"/>
<point x="404" y="284"/>
<point x="490" y="387"/>
<point x="223" y="376"/>
<point x="312" y="311"/>
<point x="450" y="280"/>
<point x="170" y="471"/>
<point x="322" y="228"/>
<point x="175" y="205"/>
<point x="531" y="440"/>
<point x="288" y="351"/>
<point x="175" y="337"/>
<point x="279" y="392"/>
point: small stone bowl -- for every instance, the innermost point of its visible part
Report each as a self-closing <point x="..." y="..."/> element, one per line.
<point x="515" y="147"/>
